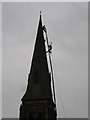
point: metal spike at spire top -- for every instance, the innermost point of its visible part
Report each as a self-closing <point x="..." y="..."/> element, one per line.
<point x="40" y="12"/>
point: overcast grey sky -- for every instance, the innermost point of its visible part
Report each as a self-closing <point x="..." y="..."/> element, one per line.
<point x="67" y="25"/>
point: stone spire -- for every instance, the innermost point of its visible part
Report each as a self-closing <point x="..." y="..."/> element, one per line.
<point x="39" y="86"/>
<point x="37" y="102"/>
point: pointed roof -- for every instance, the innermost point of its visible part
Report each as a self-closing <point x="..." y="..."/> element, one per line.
<point x="39" y="81"/>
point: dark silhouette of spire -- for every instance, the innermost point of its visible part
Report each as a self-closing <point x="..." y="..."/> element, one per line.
<point x="39" y="78"/>
<point x="37" y="102"/>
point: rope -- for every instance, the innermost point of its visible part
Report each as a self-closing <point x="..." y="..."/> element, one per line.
<point x="44" y="28"/>
<point x="60" y="96"/>
<point x="51" y="67"/>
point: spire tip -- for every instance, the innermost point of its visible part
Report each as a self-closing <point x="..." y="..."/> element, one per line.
<point x="40" y="12"/>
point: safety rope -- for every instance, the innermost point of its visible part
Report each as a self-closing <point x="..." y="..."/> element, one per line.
<point x="60" y="96"/>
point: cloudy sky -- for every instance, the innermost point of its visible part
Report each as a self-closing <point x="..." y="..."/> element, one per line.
<point x="67" y="25"/>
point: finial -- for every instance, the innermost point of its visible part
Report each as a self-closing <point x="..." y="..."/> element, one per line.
<point x="40" y="12"/>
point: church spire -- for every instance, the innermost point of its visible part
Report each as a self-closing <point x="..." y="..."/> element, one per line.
<point x="37" y="103"/>
<point x="39" y="86"/>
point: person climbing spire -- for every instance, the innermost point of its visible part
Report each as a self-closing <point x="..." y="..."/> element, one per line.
<point x="44" y="28"/>
<point x="50" y="47"/>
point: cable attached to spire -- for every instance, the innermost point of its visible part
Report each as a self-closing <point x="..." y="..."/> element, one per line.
<point x="49" y="49"/>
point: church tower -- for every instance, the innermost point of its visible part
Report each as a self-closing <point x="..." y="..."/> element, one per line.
<point x="37" y="102"/>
